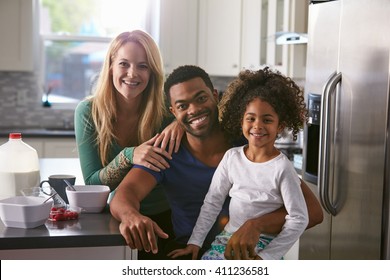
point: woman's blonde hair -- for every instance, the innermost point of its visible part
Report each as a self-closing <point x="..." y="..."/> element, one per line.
<point x="104" y="107"/>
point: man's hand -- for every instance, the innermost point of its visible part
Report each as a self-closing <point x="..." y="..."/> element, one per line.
<point x="140" y="233"/>
<point x="241" y="245"/>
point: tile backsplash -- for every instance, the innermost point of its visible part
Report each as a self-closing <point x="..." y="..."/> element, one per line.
<point x="26" y="111"/>
<point x="29" y="112"/>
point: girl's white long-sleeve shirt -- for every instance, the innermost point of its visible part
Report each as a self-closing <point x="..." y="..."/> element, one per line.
<point x="255" y="189"/>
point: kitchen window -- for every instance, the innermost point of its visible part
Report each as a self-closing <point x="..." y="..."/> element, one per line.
<point x="75" y="35"/>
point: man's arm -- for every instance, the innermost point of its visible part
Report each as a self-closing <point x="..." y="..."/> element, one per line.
<point x="139" y="231"/>
<point x="316" y="215"/>
<point x="242" y="243"/>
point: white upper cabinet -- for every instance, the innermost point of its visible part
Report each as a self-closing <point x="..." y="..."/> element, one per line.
<point x="220" y="36"/>
<point x="224" y="37"/>
<point x="297" y="54"/>
<point x="284" y="16"/>
<point x="17" y="35"/>
<point x="178" y="33"/>
<point x="252" y="48"/>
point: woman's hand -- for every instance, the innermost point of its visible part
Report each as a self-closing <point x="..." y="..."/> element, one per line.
<point x="171" y="135"/>
<point x="190" y="249"/>
<point x="150" y="156"/>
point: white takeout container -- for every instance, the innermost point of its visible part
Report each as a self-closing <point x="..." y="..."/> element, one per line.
<point x="25" y="211"/>
<point x="91" y="198"/>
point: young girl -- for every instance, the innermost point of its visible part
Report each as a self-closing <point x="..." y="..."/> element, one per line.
<point x="258" y="178"/>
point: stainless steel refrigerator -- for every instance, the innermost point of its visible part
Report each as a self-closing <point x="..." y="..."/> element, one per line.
<point x="346" y="143"/>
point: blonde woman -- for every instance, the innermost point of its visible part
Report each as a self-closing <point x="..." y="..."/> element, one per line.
<point x="117" y="126"/>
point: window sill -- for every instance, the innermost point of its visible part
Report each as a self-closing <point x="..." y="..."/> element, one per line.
<point x="63" y="106"/>
<point x="61" y="103"/>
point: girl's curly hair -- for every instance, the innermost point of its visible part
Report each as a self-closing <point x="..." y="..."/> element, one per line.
<point x="279" y="91"/>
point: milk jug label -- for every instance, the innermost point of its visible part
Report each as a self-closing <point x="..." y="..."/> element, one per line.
<point x="13" y="182"/>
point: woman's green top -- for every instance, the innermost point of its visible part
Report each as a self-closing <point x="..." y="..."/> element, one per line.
<point x="121" y="161"/>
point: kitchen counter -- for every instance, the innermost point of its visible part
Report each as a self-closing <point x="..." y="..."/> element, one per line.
<point x="38" y="132"/>
<point x="89" y="230"/>
<point x="92" y="236"/>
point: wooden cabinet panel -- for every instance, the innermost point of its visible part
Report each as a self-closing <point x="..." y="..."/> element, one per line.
<point x="37" y="144"/>
<point x="60" y="148"/>
<point x="51" y="147"/>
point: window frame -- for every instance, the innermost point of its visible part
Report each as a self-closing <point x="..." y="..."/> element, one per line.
<point x="64" y="38"/>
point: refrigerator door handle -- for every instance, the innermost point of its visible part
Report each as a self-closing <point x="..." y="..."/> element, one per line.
<point x="324" y="153"/>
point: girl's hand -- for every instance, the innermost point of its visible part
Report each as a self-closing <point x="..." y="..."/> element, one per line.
<point x="190" y="249"/>
<point x="151" y="156"/>
<point x="171" y="135"/>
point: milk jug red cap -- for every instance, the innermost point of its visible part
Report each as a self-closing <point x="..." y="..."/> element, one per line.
<point x="15" y="135"/>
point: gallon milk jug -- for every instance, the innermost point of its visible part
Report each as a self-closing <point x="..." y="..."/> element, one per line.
<point x="19" y="166"/>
